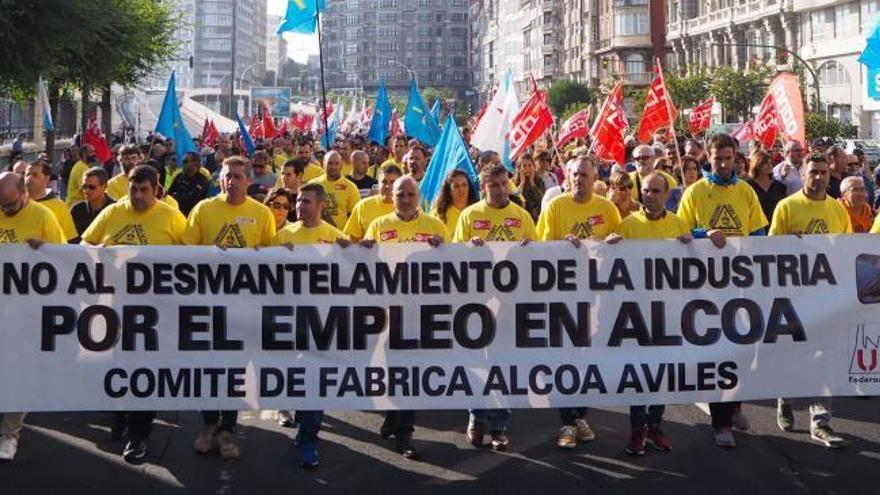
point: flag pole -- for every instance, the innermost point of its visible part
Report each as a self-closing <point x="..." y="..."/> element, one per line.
<point x="669" y="111"/>
<point x="323" y="91"/>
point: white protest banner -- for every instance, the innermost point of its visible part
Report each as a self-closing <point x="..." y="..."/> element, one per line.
<point x="409" y="326"/>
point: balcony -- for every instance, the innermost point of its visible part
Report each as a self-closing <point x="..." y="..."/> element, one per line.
<point x="622" y="42"/>
<point x="637" y="78"/>
<point x="753" y="11"/>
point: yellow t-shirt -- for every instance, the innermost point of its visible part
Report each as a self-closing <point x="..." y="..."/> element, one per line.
<point x="278" y="162"/>
<point x="875" y="228"/>
<point x="511" y="223"/>
<point x="452" y="214"/>
<point x="312" y="172"/>
<point x="342" y="195"/>
<point x="74" y="185"/>
<point x="391" y="229"/>
<point x="62" y="214"/>
<point x="798" y="214"/>
<point x="33" y="221"/>
<point x="215" y="222"/>
<point x="367" y="210"/>
<point x="297" y="233"/>
<point x="347" y="169"/>
<point x="733" y="209"/>
<point x="167" y="199"/>
<point x="638" y="226"/>
<point x="634" y="177"/>
<point x="373" y="171"/>
<point x="117" y="187"/>
<point x="594" y="219"/>
<point x="120" y="224"/>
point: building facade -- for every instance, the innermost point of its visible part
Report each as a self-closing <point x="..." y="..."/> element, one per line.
<point x="366" y="41"/>
<point x="213" y="39"/>
<point x="276" y="47"/>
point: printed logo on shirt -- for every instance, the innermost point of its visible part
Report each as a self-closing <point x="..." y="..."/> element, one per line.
<point x="331" y="206"/>
<point x="245" y="221"/>
<point x="596" y="220"/>
<point x="500" y="233"/>
<point x="422" y="237"/>
<point x="131" y="235"/>
<point x="582" y="230"/>
<point x="231" y="236"/>
<point x="387" y="235"/>
<point x="816" y="226"/>
<point x="513" y="222"/>
<point x="340" y="187"/>
<point x="7" y="236"/>
<point x="482" y="224"/>
<point x="725" y="219"/>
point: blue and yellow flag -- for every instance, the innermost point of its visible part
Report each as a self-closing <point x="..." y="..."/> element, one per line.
<point x="301" y="16"/>
<point x="418" y="121"/>
<point x="381" y="121"/>
<point x="170" y="123"/>
<point x="450" y="153"/>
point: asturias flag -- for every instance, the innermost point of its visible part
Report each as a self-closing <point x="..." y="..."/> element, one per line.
<point x="418" y="120"/>
<point x="301" y="16"/>
<point x="381" y="121"/>
<point x="450" y="153"/>
<point x="170" y="123"/>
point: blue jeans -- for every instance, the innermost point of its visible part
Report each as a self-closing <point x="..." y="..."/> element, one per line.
<point x="309" y="426"/>
<point x="570" y="415"/>
<point x="498" y="419"/>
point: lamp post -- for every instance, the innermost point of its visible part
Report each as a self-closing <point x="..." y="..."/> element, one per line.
<point x="411" y="72"/>
<point x="241" y="83"/>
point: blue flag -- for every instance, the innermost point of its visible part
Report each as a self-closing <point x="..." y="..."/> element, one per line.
<point x="301" y="16"/>
<point x="381" y="121"/>
<point x="435" y="110"/>
<point x="245" y="136"/>
<point x="450" y="153"/>
<point x="170" y="123"/>
<point x="418" y="121"/>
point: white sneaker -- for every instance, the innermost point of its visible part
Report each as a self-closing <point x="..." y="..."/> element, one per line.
<point x="8" y="448"/>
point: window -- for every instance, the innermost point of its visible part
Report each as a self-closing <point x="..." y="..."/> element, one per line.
<point x="630" y="23"/>
<point x="548" y="63"/>
<point x="833" y="73"/>
<point x="841" y="21"/>
<point x="818" y="19"/>
<point x="634" y="63"/>
<point x="870" y="9"/>
<point x="527" y="38"/>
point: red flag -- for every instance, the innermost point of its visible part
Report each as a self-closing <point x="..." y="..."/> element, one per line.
<point x="95" y="137"/>
<point x="608" y="129"/>
<point x="532" y="121"/>
<point x="282" y="129"/>
<point x="269" y="131"/>
<point x="299" y="121"/>
<point x="744" y="133"/>
<point x="255" y="127"/>
<point x="765" y="126"/>
<point x="789" y="106"/>
<point x="210" y="138"/>
<point x="396" y="127"/>
<point x="204" y="130"/>
<point x="701" y="116"/>
<point x="659" y="111"/>
<point x="577" y="126"/>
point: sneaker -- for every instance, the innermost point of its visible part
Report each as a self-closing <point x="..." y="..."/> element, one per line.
<point x="135" y="452"/>
<point x="636" y="444"/>
<point x="567" y="438"/>
<point x="308" y="455"/>
<point x="657" y="439"/>
<point x="226" y="442"/>
<point x="475" y="432"/>
<point x="739" y="420"/>
<point x="8" y="448"/>
<point x="205" y="440"/>
<point x="724" y="438"/>
<point x="784" y="415"/>
<point x="500" y="441"/>
<point x="825" y="435"/>
<point x="284" y="418"/>
<point x="584" y="432"/>
<point x="404" y="446"/>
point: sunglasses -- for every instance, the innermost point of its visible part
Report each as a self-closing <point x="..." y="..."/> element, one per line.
<point x="89" y="187"/>
<point x="279" y="206"/>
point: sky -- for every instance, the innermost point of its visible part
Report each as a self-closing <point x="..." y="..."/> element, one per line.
<point x="299" y="46"/>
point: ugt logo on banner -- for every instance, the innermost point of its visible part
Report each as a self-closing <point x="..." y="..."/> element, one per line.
<point x="864" y="352"/>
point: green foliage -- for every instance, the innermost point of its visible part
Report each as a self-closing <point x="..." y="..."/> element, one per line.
<point x="563" y="93"/>
<point x="823" y="125"/>
<point x="738" y="92"/>
<point x="688" y="91"/>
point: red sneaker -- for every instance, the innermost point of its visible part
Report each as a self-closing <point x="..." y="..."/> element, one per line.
<point x="658" y="440"/>
<point x="636" y="442"/>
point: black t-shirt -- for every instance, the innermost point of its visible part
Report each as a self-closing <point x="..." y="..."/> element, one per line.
<point x="83" y="214"/>
<point x="188" y="191"/>
<point x="364" y="184"/>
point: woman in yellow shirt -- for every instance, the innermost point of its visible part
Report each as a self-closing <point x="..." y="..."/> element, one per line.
<point x="456" y="194"/>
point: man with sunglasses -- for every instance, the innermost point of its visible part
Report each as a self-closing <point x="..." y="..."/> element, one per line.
<point x="21" y="221"/>
<point x="94" y="189"/>
<point x="189" y="187"/>
<point x="644" y="159"/>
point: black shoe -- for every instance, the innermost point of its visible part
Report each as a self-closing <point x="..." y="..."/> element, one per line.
<point x="135" y="452"/>
<point x="406" y="448"/>
<point x="117" y="429"/>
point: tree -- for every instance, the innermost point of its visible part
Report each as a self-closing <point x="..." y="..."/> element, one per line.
<point x="823" y="125"/>
<point x="564" y="92"/>
<point x="739" y="92"/>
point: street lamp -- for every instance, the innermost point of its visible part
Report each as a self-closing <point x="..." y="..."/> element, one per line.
<point x="241" y="84"/>
<point x="411" y="72"/>
<point x="793" y="54"/>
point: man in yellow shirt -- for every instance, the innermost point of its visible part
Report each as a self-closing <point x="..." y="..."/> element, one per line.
<point x="75" y="180"/>
<point x="313" y="170"/>
<point x="811" y="211"/>
<point x="578" y="214"/>
<point x="575" y="215"/>
<point x="397" y="147"/>
<point x="644" y="159"/>
<point x="36" y="178"/>
<point x="129" y="157"/>
<point x="406" y="224"/>
<point x="342" y="194"/>
<point x="229" y="220"/>
<point x="373" y="207"/>
<point x="21" y="220"/>
<point x="652" y="221"/>
<point x="717" y="206"/>
<point x="345" y="149"/>
<point x="493" y="219"/>
<point x="140" y="220"/>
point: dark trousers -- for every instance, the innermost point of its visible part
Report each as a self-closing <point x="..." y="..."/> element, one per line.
<point x="641" y="416"/>
<point x="226" y="419"/>
<point x="569" y="415"/>
<point x="309" y="426"/>
<point x="137" y="424"/>
<point x="722" y="413"/>
<point x="400" y="423"/>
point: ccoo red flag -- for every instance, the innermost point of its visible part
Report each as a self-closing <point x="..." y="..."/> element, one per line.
<point x="765" y="127"/>
<point x="659" y="111"/>
<point x="532" y="121"/>
<point x="701" y="117"/>
<point x="209" y="139"/>
<point x="608" y="129"/>
<point x="282" y="128"/>
<point x="577" y="126"/>
<point x="269" y="131"/>
<point x="95" y="137"/>
<point x="205" y="128"/>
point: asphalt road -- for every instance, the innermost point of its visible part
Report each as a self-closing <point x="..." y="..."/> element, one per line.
<point x="72" y="453"/>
